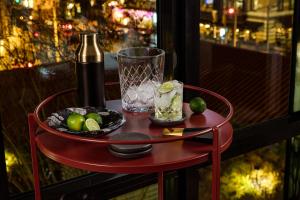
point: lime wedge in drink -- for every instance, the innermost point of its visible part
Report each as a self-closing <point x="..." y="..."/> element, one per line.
<point x="91" y="125"/>
<point x="176" y="102"/>
<point x="166" y="87"/>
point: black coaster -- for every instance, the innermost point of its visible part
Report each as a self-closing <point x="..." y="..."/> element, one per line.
<point x="166" y="122"/>
<point x="129" y="155"/>
<point x="128" y="149"/>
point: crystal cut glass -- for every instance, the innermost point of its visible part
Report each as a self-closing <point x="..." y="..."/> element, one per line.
<point x="140" y="71"/>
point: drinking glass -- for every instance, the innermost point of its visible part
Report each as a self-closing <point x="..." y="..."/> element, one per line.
<point x="168" y="101"/>
<point x="140" y="70"/>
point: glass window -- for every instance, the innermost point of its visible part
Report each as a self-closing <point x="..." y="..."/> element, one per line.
<point x="37" y="41"/>
<point x="38" y="32"/>
<point x="245" y="56"/>
<point x="256" y="175"/>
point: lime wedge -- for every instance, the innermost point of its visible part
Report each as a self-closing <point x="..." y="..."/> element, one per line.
<point x="91" y="125"/>
<point x="176" y="102"/>
<point x="166" y="87"/>
<point x="94" y="116"/>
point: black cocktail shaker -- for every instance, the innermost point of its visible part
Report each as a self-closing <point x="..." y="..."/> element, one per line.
<point x="90" y="71"/>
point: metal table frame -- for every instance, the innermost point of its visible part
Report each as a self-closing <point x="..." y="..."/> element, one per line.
<point x="215" y="149"/>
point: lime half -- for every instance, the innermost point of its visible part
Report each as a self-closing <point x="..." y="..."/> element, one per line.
<point x="91" y="125"/>
<point x="94" y="116"/>
<point x="166" y="87"/>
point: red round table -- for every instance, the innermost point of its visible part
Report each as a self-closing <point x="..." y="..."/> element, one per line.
<point x="168" y="153"/>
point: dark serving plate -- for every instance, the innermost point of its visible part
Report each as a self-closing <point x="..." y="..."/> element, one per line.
<point x="112" y="120"/>
<point x="166" y="122"/>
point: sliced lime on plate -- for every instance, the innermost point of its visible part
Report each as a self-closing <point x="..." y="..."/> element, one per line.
<point x="94" y="116"/>
<point x="166" y="87"/>
<point x="91" y="125"/>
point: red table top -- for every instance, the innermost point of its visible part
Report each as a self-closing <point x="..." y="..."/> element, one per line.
<point x="163" y="157"/>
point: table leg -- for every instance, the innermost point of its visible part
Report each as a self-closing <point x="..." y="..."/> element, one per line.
<point x="160" y="185"/>
<point x="216" y="160"/>
<point x="32" y="131"/>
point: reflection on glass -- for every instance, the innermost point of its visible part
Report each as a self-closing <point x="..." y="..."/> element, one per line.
<point x="258" y="25"/>
<point x="257" y="175"/>
<point x="34" y="32"/>
<point x="247" y="50"/>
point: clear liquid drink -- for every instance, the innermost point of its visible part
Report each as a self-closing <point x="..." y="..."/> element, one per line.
<point x="168" y="101"/>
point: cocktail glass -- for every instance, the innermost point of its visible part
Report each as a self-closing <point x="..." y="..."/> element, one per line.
<point x="168" y="101"/>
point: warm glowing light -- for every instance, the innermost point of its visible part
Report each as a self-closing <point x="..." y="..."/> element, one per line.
<point x="10" y="160"/>
<point x="70" y="6"/>
<point x="231" y="11"/>
<point x="30" y="17"/>
<point x="201" y="25"/>
<point x="207" y="26"/>
<point x="28" y="3"/>
<point x="78" y="7"/>
<point x="263" y="181"/>
<point x="36" y="34"/>
<point x="30" y="65"/>
<point x="113" y="3"/>
<point x="25" y="3"/>
<point x="117" y="14"/>
<point x="247" y="31"/>
<point x="21" y="18"/>
<point x="69" y="26"/>
<point x="2" y="49"/>
<point x="48" y="22"/>
<point x="255" y="182"/>
<point x="222" y="32"/>
<point x="237" y="30"/>
<point x="125" y="21"/>
<point x="144" y="19"/>
<point x="92" y="2"/>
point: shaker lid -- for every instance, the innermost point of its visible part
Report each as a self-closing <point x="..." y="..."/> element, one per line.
<point x="89" y="49"/>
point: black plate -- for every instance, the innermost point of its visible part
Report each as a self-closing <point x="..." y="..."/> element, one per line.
<point x="129" y="155"/>
<point x="111" y="121"/>
<point x="130" y="148"/>
<point x="166" y="122"/>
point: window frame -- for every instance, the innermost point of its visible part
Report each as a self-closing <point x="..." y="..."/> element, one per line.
<point x="295" y="115"/>
<point x="245" y="139"/>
